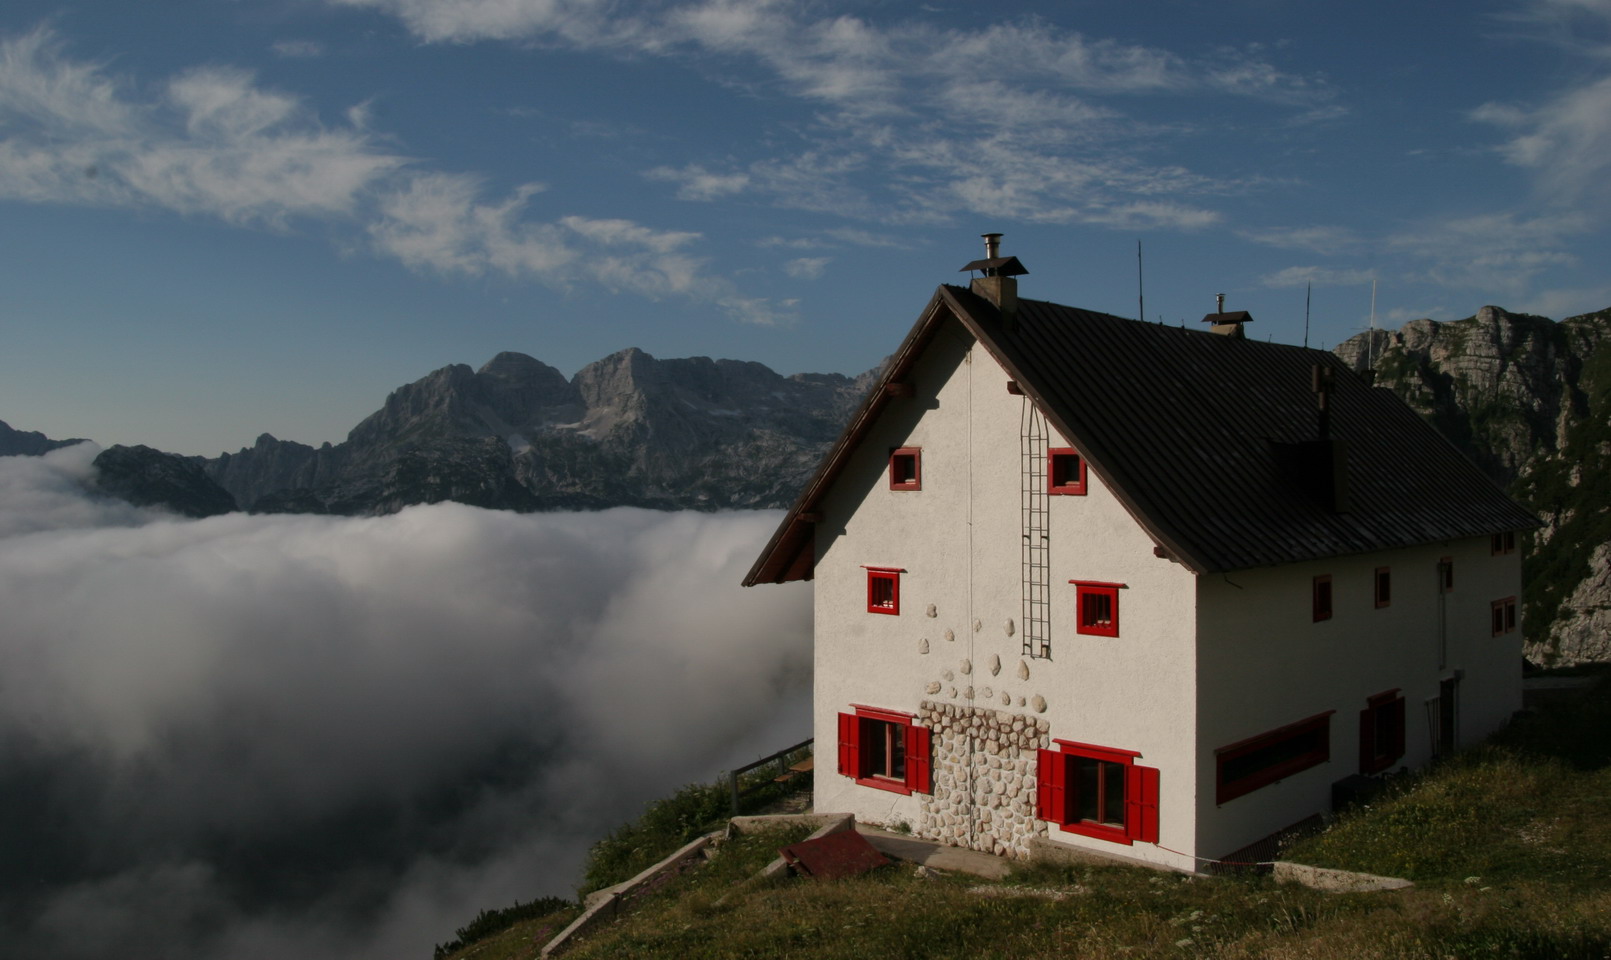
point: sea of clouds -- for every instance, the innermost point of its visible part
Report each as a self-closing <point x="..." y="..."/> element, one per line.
<point x="295" y="736"/>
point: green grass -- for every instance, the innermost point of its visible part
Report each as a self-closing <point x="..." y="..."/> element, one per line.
<point x="1509" y="845"/>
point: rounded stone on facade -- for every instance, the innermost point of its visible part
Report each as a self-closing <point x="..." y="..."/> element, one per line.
<point x="933" y="687"/>
<point x="1020" y="701"/>
<point x="1044" y="726"/>
<point x="1023" y="670"/>
<point x="1039" y="702"/>
<point x="948" y="675"/>
<point x="986" y="692"/>
<point x="923" y="645"/>
<point x="995" y="664"/>
<point x="1010" y="628"/>
<point x="967" y="693"/>
<point x="1006" y="698"/>
<point x="952" y="692"/>
<point x="978" y="625"/>
<point x="966" y="666"/>
<point x="950" y="634"/>
<point x="932" y="612"/>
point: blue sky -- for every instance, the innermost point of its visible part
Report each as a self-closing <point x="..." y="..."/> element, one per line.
<point x="221" y="218"/>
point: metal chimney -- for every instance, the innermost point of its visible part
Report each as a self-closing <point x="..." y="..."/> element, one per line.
<point x="992" y="245"/>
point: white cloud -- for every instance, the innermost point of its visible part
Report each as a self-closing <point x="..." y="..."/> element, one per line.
<point x="447" y="704"/>
<point x="213" y="145"/>
<point x="1318" y="276"/>
<point x="440" y="223"/>
<point x="905" y="106"/>
<point x="807" y="268"/>
<point x="1567" y="140"/>
<point x="1324" y="240"/>
<point x="299" y="49"/>
<point x="694" y="182"/>
<point x="1499" y="252"/>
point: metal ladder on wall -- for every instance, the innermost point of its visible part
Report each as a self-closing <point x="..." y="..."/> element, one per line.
<point x="1035" y="525"/>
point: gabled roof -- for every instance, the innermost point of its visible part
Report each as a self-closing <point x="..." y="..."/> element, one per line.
<point x="1185" y="427"/>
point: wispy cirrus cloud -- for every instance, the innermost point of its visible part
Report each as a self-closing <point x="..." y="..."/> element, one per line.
<point x="1498" y="252"/>
<point x="1318" y="276"/>
<point x="443" y="223"/>
<point x="212" y="142"/>
<point x="908" y="131"/>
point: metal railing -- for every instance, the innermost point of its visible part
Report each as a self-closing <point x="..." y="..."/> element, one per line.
<point x="786" y="771"/>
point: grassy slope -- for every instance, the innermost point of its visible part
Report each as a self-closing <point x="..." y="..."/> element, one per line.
<point x="1509" y="844"/>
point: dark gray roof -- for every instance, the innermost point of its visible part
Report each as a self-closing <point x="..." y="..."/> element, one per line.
<point x="1185" y="426"/>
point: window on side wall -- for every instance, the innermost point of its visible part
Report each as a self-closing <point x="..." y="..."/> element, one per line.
<point x="906" y="468"/>
<point x="1097" y="792"/>
<point x="1446" y="575"/>
<point x="1381" y="732"/>
<point x="1504" y="615"/>
<point x="1322" y="597"/>
<point x="885" y="749"/>
<point x="1065" y="472"/>
<point x="884" y="590"/>
<point x="1247" y="765"/>
<point x="1384" y="587"/>
<point x="1501" y="543"/>
<point x="1096" y="607"/>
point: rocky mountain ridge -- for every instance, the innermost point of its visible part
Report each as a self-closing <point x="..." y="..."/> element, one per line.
<point x="1529" y="399"/>
<point x="629" y="429"/>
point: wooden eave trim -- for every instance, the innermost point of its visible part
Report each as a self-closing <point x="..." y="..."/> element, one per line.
<point x="1094" y="459"/>
<point x="777" y="559"/>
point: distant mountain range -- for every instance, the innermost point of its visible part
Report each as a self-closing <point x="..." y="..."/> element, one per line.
<point x="1526" y="397"/>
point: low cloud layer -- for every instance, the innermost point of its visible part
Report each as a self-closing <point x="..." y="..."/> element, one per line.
<point x="338" y="737"/>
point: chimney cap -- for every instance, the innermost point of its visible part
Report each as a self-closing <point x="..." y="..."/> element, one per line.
<point x="1233" y="316"/>
<point x="997" y="267"/>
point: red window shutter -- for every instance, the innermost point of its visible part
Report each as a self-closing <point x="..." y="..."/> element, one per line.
<point x="919" y="779"/>
<point x="1051" y="793"/>
<point x="1141" y="803"/>
<point x="1367" y="741"/>
<point x="849" y="745"/>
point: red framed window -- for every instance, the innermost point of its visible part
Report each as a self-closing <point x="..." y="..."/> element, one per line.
<point x="1065" y="472"/>
<point x="1501" y="543"/>
<point x="1446" y="575"/>
<point x="1247" y="765"/>
<point x="1322" y="597"/>
<point x="1097" y="792"/>
<point x="906" y="468"/>
<point x="1096" y="607"/>
<point x="1381" y="732"/>
<point x="1504" y="615"/>
<point x="886" y="750"/>
<point x="1384" y="587"/>
<point x="884" y="590"/>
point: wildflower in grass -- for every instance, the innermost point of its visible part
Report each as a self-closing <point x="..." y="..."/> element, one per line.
<point x="1184" y="942"/>
<point x="1473" y="881"/>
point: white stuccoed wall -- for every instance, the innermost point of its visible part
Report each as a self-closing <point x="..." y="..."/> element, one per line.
<point x="1264" y="663"/>
<point x="958" y="539"/>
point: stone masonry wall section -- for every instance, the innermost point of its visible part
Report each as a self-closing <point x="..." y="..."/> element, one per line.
<point x="984" y="778"/>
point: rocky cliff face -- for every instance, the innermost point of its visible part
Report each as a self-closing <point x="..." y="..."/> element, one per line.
<point x="28" y="443"/>
<point x="1529" y="399"/>
<point x="151" y="478"/>
<point x="626" y="430"/>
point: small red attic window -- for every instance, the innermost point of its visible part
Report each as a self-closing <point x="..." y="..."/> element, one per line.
<point x="1097" y="607"/>
<point x="1065" y="472"/>
<point x="906" y="468"/>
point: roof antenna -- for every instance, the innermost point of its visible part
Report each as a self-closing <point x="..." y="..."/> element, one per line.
<point x="1141" y="299"/>
<point x="1307" y="291"/>
<point x="1370" y="343"/>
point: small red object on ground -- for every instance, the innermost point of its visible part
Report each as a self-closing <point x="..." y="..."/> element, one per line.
<point x="842" y="854"/>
